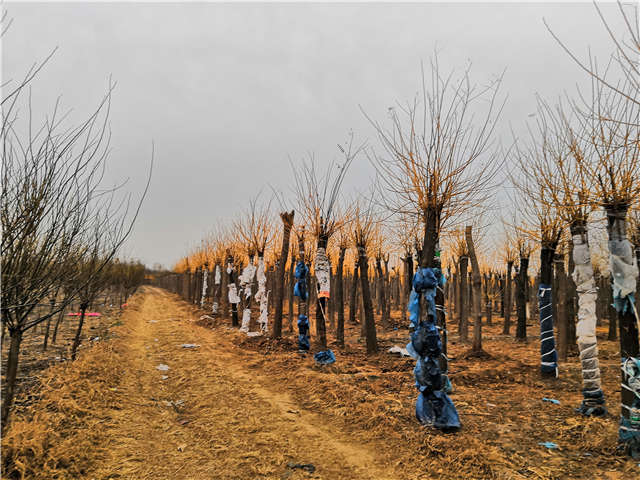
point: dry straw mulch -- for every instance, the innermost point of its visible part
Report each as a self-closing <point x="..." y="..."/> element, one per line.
<point x="240" y="407"/>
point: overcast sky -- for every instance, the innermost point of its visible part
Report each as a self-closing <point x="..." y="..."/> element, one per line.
<point x="230" y="92"/>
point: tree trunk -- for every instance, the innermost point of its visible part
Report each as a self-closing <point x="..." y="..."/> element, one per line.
<point x="406" y="286"/>
<point x="477" y="296"/>
<point x="54" y="337"/>
<point x="386" y="284"/>
<point x="369" y="323"/>
<point x="383" y="298"/>
<point x="548" y="353"/>
<point x="76" y="340"/>
<point x="560" y="294"/>
<point x="521" y="299"/>
<point x="463" y="320"/>
<point x="323" y="279"/>
<point x="11" y="374"/>
<point x="430" y="239"/>
<point x="487" y="298"/>
<point x="593" y="397"/>
<point x="287" y="223"/>
<point x="353" y="300"/>
<point x="507" y="300"/>
<point x="292" y="281"/>
<point x="612" y="315"/>
<point x="572" y="307"/>
<point x="48" y="326"/>
<point x="340" y="297"/>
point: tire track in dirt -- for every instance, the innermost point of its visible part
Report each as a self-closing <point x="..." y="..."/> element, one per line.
<point x="212" y="416"/>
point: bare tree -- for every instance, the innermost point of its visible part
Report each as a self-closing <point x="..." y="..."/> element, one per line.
<point x="364" y="225"/>
<point x="317" y="196"/>
<point x="52" y="190"/>
<point x="440" y="160"/>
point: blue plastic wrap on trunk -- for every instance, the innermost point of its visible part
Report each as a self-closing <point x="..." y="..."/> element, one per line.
<point x="300" y="288"/>
<point x="433" y="407"/>
<point x="303" y="333"/>
<point x="629" y="428"/>
<point x="548" y="353"/>
<point x="414" y="308"/>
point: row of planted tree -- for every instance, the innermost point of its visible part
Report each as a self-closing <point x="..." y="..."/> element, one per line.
<point x="540" y="217"/>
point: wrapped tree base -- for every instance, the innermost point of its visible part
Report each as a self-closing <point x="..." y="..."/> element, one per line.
<point x="433" y="407"/>
<point x="303" y="333"/>
<point x="548" y="353"/>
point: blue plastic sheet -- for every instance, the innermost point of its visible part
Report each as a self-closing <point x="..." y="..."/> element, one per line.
<point x="303" y="333"/>
<point x="549" y="445"/>
<point x="433" y="406"/>
<point x="325" y="358"/>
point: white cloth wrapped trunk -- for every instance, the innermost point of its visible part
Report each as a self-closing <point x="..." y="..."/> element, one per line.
<point x="246" y="279"/>
<point x="323" y="273"/>
<point x="233" y="294"/>
<point x="262" y="296"/>
<point x="246" y="318"/>
<point x="216" y="282"/>
<point x="586" y="326"/>
<point x="205" y="276"/>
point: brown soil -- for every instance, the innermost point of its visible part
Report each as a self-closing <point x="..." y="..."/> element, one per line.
<point x="250" y="408"/>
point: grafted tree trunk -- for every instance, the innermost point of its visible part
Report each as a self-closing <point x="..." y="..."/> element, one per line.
<point x="522" y="286"/>
<point x="287" y="224"/>
<point x="507" y="300"/>
<point x="387" y="286"/>
<point x="339" y="297"/>
<point x="487" y="297"/>
<point x="430" y="239"/>
<point x="353" y="297"/>
<point x="560" y="294"/>
<point x="477" y="297"/>
<point x="382" y="290"/>
<point x="572" y="301"/>
<point x="233" y="291"/>
<point x="406" y="285"/>
<point x="369" y="323"/>
<point x="463" y="320"/>
<point x="292" y="281"/>
<point x="548" y="353"/>
<point x="322" y="272"/>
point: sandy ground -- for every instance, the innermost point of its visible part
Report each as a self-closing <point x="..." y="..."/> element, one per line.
<point x="232" y="422"/>
<point x="250" y="408"/>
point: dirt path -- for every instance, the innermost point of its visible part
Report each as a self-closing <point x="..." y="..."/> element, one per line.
<point x="209" y="416"/>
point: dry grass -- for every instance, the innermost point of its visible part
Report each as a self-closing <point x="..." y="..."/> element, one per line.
<point x="240" y="407"/>
<point x="59" y="434"/>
